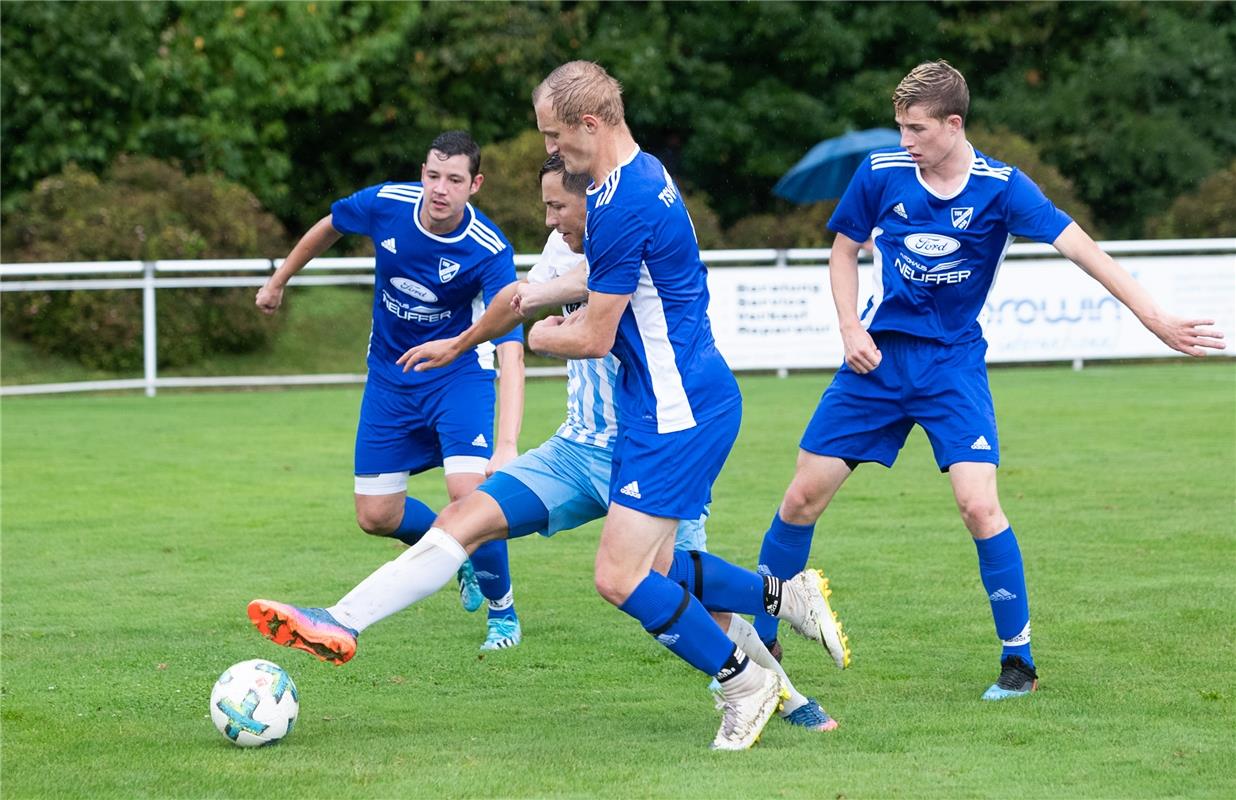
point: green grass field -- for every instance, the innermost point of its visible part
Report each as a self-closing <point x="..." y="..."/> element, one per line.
<point x="136" y="530"/>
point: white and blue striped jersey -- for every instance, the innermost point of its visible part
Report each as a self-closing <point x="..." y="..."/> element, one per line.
<point x="591" y="417"/>
<point x="426" y="286"/>
<point x="937" y="256"/>
<point x="640" y="241"/>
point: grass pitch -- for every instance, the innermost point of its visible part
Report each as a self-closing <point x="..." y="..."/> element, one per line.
<point x="136" y="530"/>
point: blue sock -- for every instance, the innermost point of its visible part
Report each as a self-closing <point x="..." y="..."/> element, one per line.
<point x="717" y="583"/>
<point x="783" y="555"/>
<point x="1005" y="581"/>
<point x="670" y="613"/>
<point x="417" y="519"/>
<point x="493" y="574"/>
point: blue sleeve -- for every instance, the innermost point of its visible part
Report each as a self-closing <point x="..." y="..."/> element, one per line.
<point x="352" y="214"/>
<point x="617" y="241"/>
<point x="855" y="214"/>
<point x="1029" y="214"/>
<point x="500" y="273"/>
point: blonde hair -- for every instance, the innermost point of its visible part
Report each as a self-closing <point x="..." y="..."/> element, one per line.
<point x="582" y="87"/>
<point x="936" y="86"/>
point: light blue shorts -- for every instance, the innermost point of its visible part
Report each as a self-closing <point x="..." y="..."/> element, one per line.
<point x="572" y="480"/>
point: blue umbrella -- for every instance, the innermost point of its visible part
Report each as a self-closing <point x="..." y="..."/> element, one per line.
<point x="826" y="170"/>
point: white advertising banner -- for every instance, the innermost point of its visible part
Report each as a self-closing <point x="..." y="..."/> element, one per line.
<point x="1039" y="310"/>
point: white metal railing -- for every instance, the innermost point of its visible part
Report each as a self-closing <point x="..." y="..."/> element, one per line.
<point x="150" y="276"/>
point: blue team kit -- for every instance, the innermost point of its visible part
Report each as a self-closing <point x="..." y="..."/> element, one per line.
<point x="936" y="258"/>
<point x="640" y="241"/>
<point x="426" y="287"/>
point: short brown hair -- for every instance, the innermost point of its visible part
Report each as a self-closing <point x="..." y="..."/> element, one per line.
<point x="936" y="86"/>
<point x="582" y="87"/>
<point x="575" y="183"/>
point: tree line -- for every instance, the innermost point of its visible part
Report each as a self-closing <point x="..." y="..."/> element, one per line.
<point x="1132" y="103"/>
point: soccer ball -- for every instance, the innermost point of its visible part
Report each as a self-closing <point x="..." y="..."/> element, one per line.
<point x="254" y="703"/>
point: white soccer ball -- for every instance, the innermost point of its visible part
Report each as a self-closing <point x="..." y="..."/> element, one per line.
<point x="254" y="703"/>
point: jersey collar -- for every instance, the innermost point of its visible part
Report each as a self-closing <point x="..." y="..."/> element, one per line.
<point x="960" y="188"/>
<point x="457" y="234"/>
<point x="613" y="174"/>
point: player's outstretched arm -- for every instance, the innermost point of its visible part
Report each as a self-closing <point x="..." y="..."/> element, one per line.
<point x="588" y="333"/>
<point x="497" y="320"/>
<point x="316" y="241"/>
<point x="861" y="353"/>
<point x="510" y="404"/>
<point x="569" y="287"/>
<point x="1189" y="336"/>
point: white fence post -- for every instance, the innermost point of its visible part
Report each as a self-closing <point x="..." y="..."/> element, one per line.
<point x="150" y="356"/>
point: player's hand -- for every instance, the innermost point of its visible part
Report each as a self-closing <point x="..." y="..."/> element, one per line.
<point x="861" y="353"/>
<point x="527" y="300"/>
<point x="503" y="455"/>
<point x="537" y="330"/>
<point x="1193" y="337"/>
<point x="429" y="355"/>
<point x="269" y="298"/>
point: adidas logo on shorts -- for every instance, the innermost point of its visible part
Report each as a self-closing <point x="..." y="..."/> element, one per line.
<point x="479" y="441"/>
<point x="980" y="444"/>
<point x="631" y="490"/>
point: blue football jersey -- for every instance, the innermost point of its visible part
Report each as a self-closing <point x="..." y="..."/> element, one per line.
<point x="640" y="241"/>
<point x="936" y="257"/>
<point x="426" y="286"/>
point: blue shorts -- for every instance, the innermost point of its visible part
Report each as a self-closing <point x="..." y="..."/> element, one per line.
<point x="671" y="474"/>
<point x="571" y="480"/>
<point x="414" y="429"/>
<point x="943" y="388"/>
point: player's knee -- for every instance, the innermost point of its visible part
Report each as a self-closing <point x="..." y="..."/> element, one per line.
<point x="375" y="523"/>
<point x="981" y="515"/>
<point x="611" y="585"/>
<point x="802" y="504"/>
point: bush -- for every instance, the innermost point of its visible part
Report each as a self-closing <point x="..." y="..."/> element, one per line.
<point x="511" y="194"/>
<point x="805" y="226"/>
<point x="1201" y="213"/>
<point x="142" y="210"/>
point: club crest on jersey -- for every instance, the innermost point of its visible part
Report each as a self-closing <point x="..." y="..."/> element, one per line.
<point x="414" y="289"/>
<point x="447" y="269"/>
<point x="962" y="217"/>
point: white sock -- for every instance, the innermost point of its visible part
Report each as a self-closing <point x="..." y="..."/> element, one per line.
<point x="419" y="571"/>
<point x="742" y="633"/>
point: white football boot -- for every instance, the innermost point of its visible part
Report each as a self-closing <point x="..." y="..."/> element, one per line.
<point x="747" y="703"/>
<point x="804" y="604"/>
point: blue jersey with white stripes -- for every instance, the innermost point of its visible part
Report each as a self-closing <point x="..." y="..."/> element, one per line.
<point x="426" y="286"/>
<point x="591" y="417"/>
<point x="937" y="256"/>
<point x="640" y="241"/>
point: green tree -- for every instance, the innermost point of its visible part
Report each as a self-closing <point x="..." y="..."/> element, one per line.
<point x="1204" y="212"/>
<point x="1004" y="145"/>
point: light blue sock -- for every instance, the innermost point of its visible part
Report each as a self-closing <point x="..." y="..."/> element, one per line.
<point x="783" y="555"/>
<point x="417" y="520"/>
<point x="1000" y="567"/>
<point x="671" y="614"/>
<point x="493" y="575"/>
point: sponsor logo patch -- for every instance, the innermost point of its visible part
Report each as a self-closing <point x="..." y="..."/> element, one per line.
<point x="931" y="244"/>
<point x="414" y="289"/>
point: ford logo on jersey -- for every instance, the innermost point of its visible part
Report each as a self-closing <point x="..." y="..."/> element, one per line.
<point x="414" y="289"/>
<point x="931" y="244"/>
